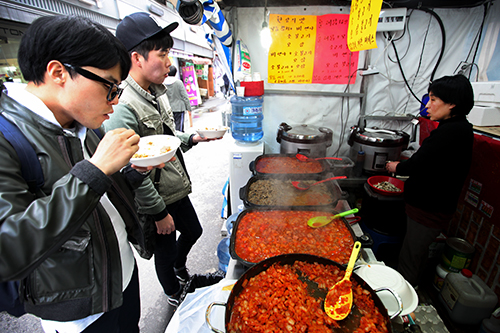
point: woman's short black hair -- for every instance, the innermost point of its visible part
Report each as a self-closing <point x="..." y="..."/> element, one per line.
<point x="73" y="40"/>
<point x="456" y="90"/>
<point x="161" y="41"/>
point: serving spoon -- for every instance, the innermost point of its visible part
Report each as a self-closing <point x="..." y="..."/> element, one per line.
<point x="297" y="185"/>
<point x="321" y="221"/>
<point x="338" y="301"/>
<point x="304" y="158"/>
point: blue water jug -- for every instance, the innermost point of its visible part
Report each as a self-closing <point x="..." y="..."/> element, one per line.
<point x="223" y="254"/>
<point x="246" y="118"/>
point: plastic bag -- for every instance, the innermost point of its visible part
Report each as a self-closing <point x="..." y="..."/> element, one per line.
<point x="190" y="315"/>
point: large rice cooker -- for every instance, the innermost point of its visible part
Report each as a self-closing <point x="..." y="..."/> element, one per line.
<point x="379" y="145"/>
<point x="304" y="139"/>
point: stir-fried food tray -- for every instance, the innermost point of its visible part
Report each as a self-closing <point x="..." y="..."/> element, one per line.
<point x="259" y="234"/>
<point x="289" y="165"/>
<point x="286" y="294"/>
<point x="276" y="192"/>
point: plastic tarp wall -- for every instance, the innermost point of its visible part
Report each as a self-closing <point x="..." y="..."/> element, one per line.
<point x="418" y="47"/>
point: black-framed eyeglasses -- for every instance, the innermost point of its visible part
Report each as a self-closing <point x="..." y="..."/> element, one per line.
<point x="113" y="91"/>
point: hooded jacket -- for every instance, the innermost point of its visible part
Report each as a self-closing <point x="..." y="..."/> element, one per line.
<point x="60" y="242"/>
<point x="149" y="113"/>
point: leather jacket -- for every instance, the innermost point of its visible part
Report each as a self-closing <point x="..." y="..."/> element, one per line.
<point x="60" y="242"/>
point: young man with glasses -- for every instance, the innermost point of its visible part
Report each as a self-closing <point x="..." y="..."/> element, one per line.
<point x="68" y="242"/>
<point x="144" y="107"/>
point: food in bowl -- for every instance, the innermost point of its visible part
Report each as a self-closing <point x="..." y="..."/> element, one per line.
<point x="151" y="150"/>
<point x="212" y="132"/>
<point x="281" y="192"/>
<point x="379" y="185"/>
<point x="386" y="186"/>
<point x="155" y="149"/>
<point x="279" y="299"/>
<point x="263" y="234"/>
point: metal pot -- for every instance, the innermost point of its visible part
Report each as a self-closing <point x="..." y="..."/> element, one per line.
<point x="304" y="139"/>
<point x="350" y="324"/>
<point x="379" y="145"/>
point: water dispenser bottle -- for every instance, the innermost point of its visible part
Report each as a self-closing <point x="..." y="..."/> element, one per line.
<point x="246" y="118"/>
<point x="223" y="253"/>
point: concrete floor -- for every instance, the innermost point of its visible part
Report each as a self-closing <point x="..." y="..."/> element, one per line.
<point x="208" y="167"/>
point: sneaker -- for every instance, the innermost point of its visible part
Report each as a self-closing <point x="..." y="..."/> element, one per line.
<point x="175" y="299"/>
<point x="182" y="275"/>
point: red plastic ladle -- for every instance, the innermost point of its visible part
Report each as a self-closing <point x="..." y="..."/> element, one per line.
<point x="304" y="158"/>
<point x="296" y="183"/>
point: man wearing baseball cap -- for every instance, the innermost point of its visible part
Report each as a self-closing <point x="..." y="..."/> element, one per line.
<point x="144" y="107"/>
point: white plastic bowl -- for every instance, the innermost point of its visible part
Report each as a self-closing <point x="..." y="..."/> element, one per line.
<point x="151" y="148"/>
<point x="212" y="132"/>
<point x="378" y="276"/>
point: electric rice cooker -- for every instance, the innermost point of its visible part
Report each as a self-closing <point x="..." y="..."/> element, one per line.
<point x="379" y="145"/>
<point x="305" y="139"/>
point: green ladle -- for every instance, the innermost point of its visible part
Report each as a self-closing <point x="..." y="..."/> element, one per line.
<point x="321" y="221"/>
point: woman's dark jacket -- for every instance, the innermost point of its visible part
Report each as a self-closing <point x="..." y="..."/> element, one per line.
<point x="439" y="167"/>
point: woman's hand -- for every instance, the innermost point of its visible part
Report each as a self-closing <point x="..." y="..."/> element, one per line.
<point x="391" y="166"/>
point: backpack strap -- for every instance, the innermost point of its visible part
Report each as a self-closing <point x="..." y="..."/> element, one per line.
<point x="30" y="165"/>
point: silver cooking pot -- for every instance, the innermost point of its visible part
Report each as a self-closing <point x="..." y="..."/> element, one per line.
<point x="380" y="145"/>
<point x="305" y="139"/>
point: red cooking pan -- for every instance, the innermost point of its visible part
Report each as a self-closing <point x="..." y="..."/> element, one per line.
<point x="299" y="274"/>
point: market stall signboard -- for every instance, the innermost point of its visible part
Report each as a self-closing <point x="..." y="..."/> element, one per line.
<point x="310" y="49"/>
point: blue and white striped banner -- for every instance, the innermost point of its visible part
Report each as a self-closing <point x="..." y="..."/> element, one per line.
<point x="217" y="21"/>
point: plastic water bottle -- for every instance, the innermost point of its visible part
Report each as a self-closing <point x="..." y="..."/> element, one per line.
<point x="360" y="163"/>
<point x="246" y="118"/>
<point x="223" y="254"/>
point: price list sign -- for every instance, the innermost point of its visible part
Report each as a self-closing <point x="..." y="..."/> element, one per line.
<point x="363" y="24"/>
<point x="310" y="49"/>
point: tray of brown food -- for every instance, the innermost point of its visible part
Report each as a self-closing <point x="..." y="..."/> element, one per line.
<point x="288" y="165"/>
<point x="278" y="192"/>
<point x="262" y="233"/>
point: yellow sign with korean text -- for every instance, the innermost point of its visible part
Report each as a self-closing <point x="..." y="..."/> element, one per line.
<point x="363" y="22"/>
<point x="291" y="55"/>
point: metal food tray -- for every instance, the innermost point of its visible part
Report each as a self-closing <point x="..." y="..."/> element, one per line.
<point x="332" y="186"/>
<point x="253" y="168"/>
<point x="365" y="241"/>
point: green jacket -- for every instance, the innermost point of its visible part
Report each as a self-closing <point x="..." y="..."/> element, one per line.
<point x="60" y="241"/>
<point x="149" y="114"/>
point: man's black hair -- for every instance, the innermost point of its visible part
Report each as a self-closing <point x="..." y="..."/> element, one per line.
<point x="173" y="71"/>
<point x="161" y="41"/>
<point x="73" y="40"/>
<point x="454" y="90"/>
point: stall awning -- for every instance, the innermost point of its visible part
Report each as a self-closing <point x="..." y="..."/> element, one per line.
<point x="196" y="60"/>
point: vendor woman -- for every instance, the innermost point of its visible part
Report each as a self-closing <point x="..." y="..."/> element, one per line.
<point x="437" y="172"/>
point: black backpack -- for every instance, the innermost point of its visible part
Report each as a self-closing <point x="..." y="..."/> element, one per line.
<point x="32" y="173"/>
